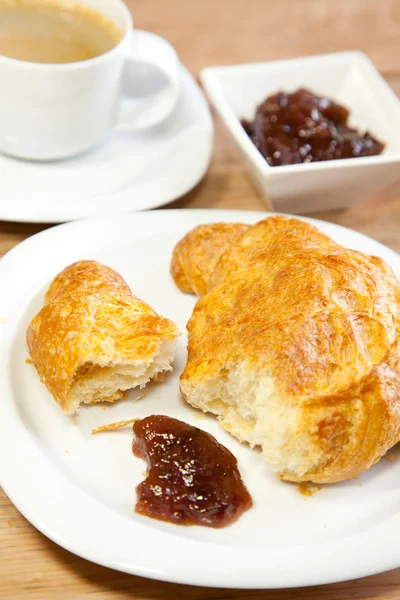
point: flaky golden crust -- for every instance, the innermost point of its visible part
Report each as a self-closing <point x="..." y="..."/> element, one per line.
<point x="323" y="321"/>
<point x="196" y="255"/>
<point x="91" y="316"/>
<point x="354" y="445"/>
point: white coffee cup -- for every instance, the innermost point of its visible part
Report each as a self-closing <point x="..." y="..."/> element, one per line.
<point x="53" y="111"/>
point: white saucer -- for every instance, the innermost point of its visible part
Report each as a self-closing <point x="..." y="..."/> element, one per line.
<point x="126" y="172"/>
<point x="79" y="489"/>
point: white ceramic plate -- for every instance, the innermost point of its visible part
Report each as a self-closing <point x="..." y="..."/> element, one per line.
<point x="79" y="489"/>
<point x="126" y="172"/>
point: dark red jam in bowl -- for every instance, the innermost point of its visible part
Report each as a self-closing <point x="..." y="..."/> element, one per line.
<point x="301" y="127"/>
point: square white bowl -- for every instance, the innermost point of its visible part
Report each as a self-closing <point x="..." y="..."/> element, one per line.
<point x="349" y="78"/>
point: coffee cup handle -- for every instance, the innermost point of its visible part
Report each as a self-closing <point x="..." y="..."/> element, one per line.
<point x="150" y="82"/>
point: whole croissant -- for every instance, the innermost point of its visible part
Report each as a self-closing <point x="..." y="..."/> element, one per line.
<point x="294" y="345"/>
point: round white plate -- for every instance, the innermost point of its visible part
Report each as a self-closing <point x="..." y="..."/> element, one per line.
<point x="79" y="489"/>
<point x="126" y="172"/>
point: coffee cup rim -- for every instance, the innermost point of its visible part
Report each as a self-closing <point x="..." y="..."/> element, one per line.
<point x="80" y="64"/>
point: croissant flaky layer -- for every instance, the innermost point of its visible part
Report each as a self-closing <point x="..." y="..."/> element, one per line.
<point x="294" y="345"/>
<point x="93" y="339"/>
<point x="196" y="255"/>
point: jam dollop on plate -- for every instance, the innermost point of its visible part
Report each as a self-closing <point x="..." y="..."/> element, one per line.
<point x="302" y="127"/>
<point x="192" y="479"/>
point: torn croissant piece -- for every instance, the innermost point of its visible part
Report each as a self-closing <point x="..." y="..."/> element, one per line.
<point x="296" y="349"/>
<point x="93" y="339"/>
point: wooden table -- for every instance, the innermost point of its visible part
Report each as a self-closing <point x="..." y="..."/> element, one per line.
<point x="204" y="33"/>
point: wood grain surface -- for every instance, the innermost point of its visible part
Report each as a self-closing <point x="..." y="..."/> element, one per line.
<point x="211" y="32"/>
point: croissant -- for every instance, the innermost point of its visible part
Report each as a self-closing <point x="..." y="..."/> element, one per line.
<point x="196" y="255"/>
<point x="93" y="339"/>
<point x="294" y="346"/>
